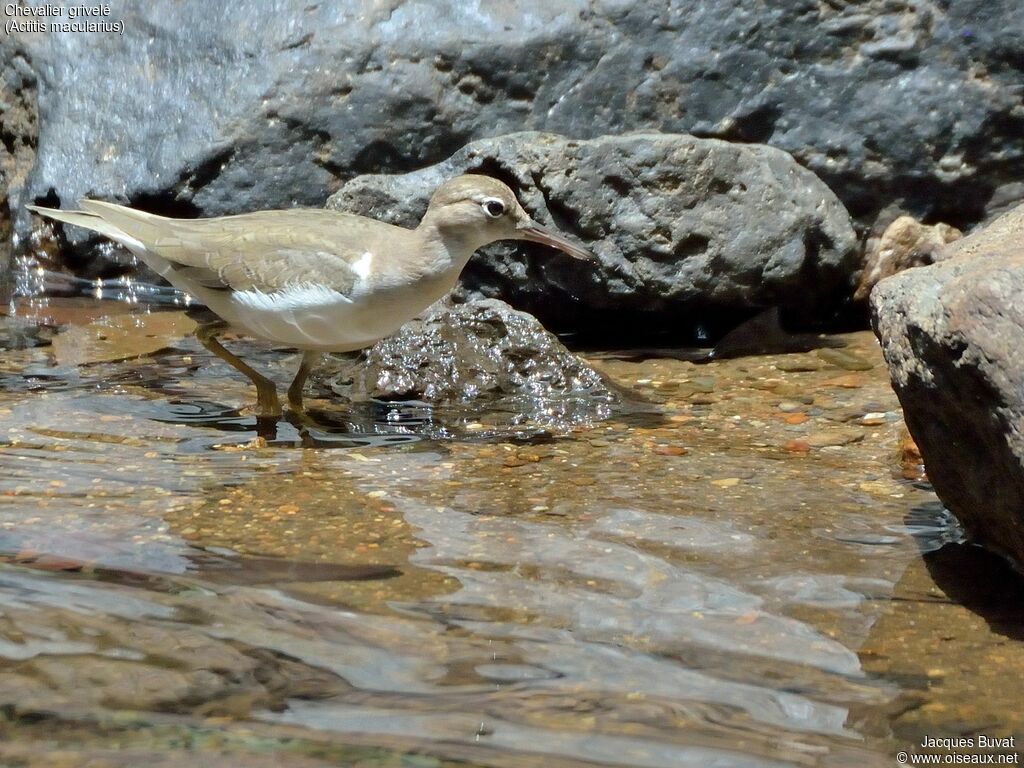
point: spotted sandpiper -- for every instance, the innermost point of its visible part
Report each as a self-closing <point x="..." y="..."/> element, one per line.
<point x="320" y="281"/>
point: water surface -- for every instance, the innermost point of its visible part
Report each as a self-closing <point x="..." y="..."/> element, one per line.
<point x="735" y="564"/>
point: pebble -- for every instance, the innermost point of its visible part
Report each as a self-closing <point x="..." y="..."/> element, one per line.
<point x="705" y="384"/>
<point x="703" y="399"/>
<point x="844" y="359"/>
<point x="559" y="510"/>
<point x="834" y="437"/>
<point x="670" y="450"/>
<point x="847" y="381"/>
<point x="873" y="419"/>
<point x="798" y="364"/>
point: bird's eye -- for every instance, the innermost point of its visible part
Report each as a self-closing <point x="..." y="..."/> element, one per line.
<point x="494" y="208"/>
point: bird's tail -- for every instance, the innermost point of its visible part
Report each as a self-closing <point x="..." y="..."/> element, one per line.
<point x="89" y="221"/>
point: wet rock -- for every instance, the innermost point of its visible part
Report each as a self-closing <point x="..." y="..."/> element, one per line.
<point x="886" y="101"/>
<point x="679" y="226"/>
<point x="906" y="243"/>
<point x="482" y="351"/>
<point x="951" y="336"/>
<point x="19" y="126"/>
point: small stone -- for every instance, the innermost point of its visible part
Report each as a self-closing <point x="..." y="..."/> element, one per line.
<point x="834" y="437"/>
<point x="873" y="419"/>
<point x="796" y="446"/>
<point x="670" y="450"/>
<point x="798" y="364"/>
<point x="842" y="358"/>
<point x="703" y="399"/>
<point x="726" y="482"/>
<point x="796" y="418"/>
<point x="788" y="406"/>
<point x="849" y="381"/>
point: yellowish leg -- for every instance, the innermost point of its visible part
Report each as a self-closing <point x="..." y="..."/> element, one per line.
<point x="309" y="360"/>
<point x="266" y="393"/>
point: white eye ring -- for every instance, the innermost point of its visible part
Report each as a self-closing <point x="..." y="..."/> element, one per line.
<point x="493" y="207"/>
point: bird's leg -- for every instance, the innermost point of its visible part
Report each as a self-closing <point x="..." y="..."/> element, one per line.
<point x="266" y="393"/>
<point x="309" y="361"/>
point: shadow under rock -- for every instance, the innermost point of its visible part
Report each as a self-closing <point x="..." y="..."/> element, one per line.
<point x="981" y="581"/>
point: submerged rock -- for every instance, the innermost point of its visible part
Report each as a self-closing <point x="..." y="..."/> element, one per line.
<point x="906" y="243"/>
<point x="680" y="226"/>
<point x="461" y="353"/>
<point x="951" y="334"/>
<point x="201" y="108"/>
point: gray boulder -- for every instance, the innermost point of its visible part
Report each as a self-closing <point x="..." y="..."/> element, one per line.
<point x="680" y="226"/>
<point x="951" y="333"/>
<point x="214" y="108"/>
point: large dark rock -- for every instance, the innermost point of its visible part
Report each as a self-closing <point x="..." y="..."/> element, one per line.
<point x="951" y="333"/>
<point x="214" y="108"/>
<point x="681" y="227"/>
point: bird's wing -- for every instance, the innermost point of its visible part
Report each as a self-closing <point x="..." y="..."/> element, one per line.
<point x="266" y="251"/>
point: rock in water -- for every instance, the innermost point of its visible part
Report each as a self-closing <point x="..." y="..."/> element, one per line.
<point x="476" y="356"/>
<point x="681" y="227"/>
<point x="951" y="333"/>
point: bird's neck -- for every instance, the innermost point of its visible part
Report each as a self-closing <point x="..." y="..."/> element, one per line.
<point x="446" y="248"/>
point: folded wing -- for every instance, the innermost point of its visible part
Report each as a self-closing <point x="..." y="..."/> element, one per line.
<point x="267" y="251"/>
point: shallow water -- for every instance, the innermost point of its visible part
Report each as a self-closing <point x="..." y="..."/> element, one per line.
<point x="732" y="565"/>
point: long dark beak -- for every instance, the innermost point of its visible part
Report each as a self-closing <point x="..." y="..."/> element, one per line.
<point x="535" y="233"/>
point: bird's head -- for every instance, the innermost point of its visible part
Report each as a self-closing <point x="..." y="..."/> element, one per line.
<point x="475" y="210"/>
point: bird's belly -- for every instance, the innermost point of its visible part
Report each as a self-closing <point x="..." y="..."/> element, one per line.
<point x="317" y="318"/>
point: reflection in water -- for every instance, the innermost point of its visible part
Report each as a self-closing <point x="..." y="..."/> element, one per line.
<point x="693" y="577"/>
